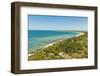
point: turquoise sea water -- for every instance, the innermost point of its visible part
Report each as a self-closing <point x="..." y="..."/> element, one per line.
<point x="40" y="38"/>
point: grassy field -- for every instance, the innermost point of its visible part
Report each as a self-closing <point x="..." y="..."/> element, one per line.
<point x="75" y="47"/>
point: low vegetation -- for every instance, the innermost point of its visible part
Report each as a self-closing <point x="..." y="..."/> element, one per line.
<point x="75" y="47"/>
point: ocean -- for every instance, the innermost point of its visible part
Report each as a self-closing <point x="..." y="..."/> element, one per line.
<point x="40" y="38"/>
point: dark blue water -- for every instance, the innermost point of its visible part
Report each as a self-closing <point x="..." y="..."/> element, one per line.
<point x="40" y="38"/>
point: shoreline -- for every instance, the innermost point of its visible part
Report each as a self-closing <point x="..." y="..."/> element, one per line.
<point x="79" y="34"/>
<point x="50" y="44"/>
<point x="60" y="41"/>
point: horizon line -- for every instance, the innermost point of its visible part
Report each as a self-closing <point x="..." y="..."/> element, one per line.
<point x="63" y="30"/>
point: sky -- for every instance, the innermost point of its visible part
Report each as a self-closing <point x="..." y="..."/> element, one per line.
<point x="47" y="22"/>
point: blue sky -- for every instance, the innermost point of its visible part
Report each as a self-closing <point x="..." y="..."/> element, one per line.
<point x="47" y="22"/>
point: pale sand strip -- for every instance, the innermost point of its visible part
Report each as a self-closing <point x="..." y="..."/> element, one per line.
<point x="47" y="46"/>
<point x="60" y="41"/>
<point x="79" y="34"/>
<point x="52" y="44"/>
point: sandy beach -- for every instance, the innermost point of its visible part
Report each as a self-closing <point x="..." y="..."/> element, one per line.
<point x="47" y="46"/>
<point x="79" y="34"/>
<point x="60" y="41"/>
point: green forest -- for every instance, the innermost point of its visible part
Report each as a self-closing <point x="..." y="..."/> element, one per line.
<point x="72" y="48"/>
